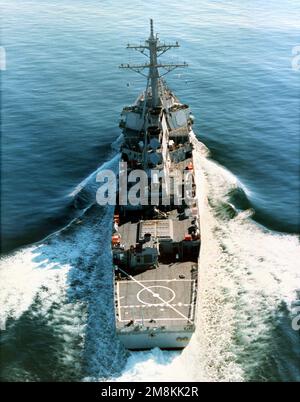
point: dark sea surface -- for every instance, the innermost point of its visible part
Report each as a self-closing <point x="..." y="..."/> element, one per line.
<point x="62" y="93"/>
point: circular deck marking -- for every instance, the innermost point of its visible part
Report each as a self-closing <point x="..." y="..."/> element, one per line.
<point x="156" y="295"/>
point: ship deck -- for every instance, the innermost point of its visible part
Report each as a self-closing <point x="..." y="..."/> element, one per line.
<point x="161" y="297"/>
<point x="129" y="230"/>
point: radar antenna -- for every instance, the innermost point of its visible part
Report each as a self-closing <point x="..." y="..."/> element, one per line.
<point x="153" y="49"/>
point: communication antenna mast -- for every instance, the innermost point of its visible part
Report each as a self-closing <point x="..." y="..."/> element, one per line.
<point x="153" y="49"/>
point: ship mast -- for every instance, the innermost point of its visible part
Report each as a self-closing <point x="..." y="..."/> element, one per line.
<point x="153" y="69"/>
<point x="153" y="48"/>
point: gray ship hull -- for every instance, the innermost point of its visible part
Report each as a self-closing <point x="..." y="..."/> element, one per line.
<point x="144" y="340"/>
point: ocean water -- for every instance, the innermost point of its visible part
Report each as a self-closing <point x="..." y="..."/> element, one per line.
<point x="62" y="93"/>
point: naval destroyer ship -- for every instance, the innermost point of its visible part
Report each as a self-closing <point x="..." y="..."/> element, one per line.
<point x="156" y="241"/>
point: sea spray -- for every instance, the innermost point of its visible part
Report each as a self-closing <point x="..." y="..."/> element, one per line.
<point x="246" y="275"/>
<point x="153" y="366"/>
<point x="57" y="297"/>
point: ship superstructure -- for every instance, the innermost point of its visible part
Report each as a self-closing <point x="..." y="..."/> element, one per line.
<point x="156" y="236"/>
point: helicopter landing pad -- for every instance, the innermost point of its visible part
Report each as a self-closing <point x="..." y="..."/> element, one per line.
<point x="155" y="302"/>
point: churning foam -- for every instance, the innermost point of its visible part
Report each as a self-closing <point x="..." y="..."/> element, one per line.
<point x="67" y="279"/>
<point x="154" y="365"/>
<point x="22" y="274"/>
